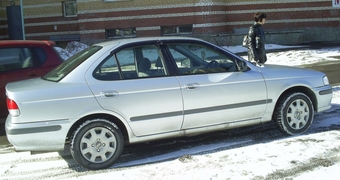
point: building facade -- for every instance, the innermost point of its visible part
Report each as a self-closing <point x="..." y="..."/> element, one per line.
<point x="223" y="22"/>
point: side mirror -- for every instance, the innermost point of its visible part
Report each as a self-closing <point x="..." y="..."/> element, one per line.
<point x="241" y="65"/>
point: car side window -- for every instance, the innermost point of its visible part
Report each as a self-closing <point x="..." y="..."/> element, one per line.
<point x="21" y="58"/>
<point x="200" y="59"/>
<point x="131" y="63"/>
<point x="153" y="55"/>
<point x="107" y="70"/>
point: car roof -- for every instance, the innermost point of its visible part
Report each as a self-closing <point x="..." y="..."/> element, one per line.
<point x="143" y="39"/>
<point x="25" y="42"/>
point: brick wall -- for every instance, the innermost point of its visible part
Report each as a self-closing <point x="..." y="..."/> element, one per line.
<point x="220" y="21"/>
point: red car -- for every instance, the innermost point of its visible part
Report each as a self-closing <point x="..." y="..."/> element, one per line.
<point x="24" y="59"/>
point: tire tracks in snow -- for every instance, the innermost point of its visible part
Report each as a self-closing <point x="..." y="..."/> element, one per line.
<point x="23" y="165"/>
<point x="325" y="159"/>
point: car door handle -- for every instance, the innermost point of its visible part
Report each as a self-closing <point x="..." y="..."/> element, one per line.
<point x="108" y="94"/>
<point x="192" y="86"/>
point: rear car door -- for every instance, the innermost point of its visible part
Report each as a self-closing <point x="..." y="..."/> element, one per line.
<point x="134" y="82"/>
<point x="214" y="92"/>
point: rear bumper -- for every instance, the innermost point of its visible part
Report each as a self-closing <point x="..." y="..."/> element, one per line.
<point x="39" y="136"/>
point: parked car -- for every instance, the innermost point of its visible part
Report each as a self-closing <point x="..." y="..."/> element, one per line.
<point x="21" y="60"/>
<point x="144" y="89"/>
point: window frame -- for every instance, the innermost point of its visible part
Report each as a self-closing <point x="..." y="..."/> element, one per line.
<point x="178" y="30"/>
<point x="121" y="33"/>
<point x="61" y="71"/>
<point x="67" y="4"/>
<point x="115" y="0"/>
<point x="139" y="52"/>
<point x="36" y="54"/>
<point x="228" y="56"/>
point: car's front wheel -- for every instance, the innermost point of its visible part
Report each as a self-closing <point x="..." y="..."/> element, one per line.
<point x="294" y="113"/>
<point x="97" y="144"/>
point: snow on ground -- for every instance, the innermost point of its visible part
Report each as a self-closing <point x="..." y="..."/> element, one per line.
<point x="279" y="159"/>
<point x="297" y="55"/>
<point x="310" y="156"/>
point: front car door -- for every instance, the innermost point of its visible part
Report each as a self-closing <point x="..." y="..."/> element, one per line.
<point x="214" y="91"/>
<point x="134" y="82"/>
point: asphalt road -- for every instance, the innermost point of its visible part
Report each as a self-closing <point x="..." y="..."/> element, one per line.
<point x="332" y="70"/>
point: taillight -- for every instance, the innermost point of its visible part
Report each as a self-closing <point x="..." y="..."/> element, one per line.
<point x="13" y="107"/>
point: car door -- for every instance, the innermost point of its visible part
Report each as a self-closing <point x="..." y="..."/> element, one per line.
<point x="134" y="83"/>
<point x="214" y="92"/>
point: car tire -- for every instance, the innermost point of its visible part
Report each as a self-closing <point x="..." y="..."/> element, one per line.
<point x="97" y="144"/>
<point x="294" y="114"/>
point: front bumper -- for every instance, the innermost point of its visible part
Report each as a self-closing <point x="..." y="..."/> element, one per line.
<point x="324" y="96"/>
<point x="38" y="136"/>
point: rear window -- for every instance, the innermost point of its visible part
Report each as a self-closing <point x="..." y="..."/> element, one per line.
<point x="16" y="58"/>
<point x="70" y="64"/>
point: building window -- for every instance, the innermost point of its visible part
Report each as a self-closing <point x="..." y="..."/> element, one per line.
<point x="115" y="0"/>
<point x="70" y="8"/>
<point x="177" y="30"/>
<point x="120" y="33"/>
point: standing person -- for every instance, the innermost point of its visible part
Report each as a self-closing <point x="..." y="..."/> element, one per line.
<point x="256" y="44"/>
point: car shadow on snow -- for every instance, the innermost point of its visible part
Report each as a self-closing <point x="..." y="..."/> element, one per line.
<point x="185" y="147"/>
<point x="179" y="148"/>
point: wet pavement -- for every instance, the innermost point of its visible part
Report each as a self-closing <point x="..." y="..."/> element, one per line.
<point x="331" y="69"/>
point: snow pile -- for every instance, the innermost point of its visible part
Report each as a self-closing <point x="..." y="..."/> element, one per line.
<point x="71" y="48"/>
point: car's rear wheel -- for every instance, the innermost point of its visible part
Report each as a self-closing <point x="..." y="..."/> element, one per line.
<point x="97" y="144"/>
<point x="294" y="113"/>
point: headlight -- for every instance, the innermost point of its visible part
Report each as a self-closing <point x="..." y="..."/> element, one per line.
<point x="325" y="80"/>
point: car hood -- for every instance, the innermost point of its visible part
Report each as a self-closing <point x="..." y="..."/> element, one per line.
<point x="277" y="72"/>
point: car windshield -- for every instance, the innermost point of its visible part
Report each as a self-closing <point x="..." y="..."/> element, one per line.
<point x="67" y="66"/>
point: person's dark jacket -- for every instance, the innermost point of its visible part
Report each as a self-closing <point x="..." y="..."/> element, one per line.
<point x="256" y="48"/>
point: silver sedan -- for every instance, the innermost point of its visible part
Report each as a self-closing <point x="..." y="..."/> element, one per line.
<point x="143" y="89"/>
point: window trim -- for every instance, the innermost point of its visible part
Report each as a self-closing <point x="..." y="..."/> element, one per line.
<point x="207" y="44"/>
<point x="138" y="50"/>
<point x="64" y="3"/>
<point x="61" y="71"/>
<point x="36" y="54"/>
<point x="114" y="0"/>
<point x="178" y="32"/>
<point x="122" y="35"/>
